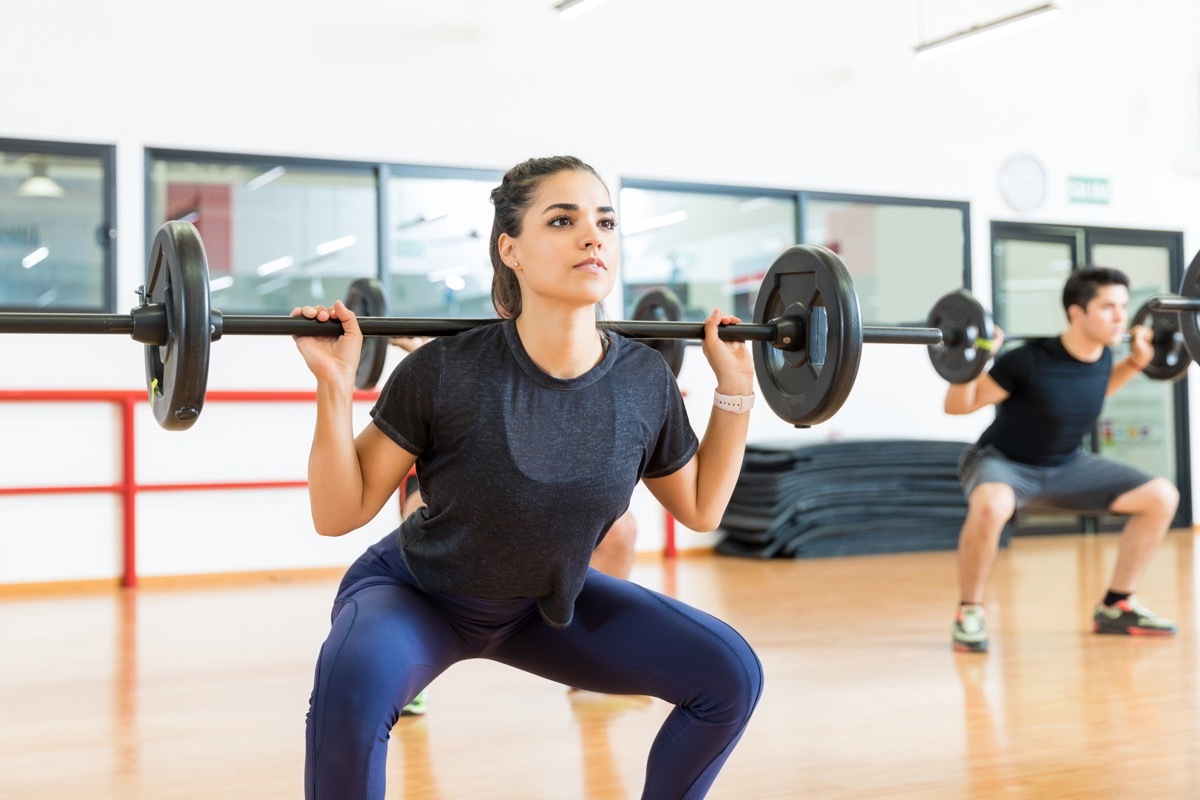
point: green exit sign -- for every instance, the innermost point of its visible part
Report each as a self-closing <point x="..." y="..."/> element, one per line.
<point x="1095" y="191"/>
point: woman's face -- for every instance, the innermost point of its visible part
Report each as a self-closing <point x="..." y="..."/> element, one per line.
<point x="568" y="249"/>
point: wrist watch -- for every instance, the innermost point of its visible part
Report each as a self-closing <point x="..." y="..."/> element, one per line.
<point x="737" y="403"/>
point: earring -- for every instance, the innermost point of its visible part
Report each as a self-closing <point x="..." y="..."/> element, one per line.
<point x="514" y="265"/>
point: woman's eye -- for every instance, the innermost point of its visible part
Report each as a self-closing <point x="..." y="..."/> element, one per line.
<point x="610" y="224"/>
<point x="560" y="222"/>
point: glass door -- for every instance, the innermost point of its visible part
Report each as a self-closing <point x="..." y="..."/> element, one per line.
<point x="1145" y="423"/>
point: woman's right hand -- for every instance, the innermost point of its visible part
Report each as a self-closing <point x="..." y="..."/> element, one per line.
<point x="331" y="358"/>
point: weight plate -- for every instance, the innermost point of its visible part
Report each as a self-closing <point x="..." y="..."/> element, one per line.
<point x="177" y="371"/>
<point x="1189" y="321"/>
<point x="808" y="385"/>
<point x="662" y="305"/>
<point x="365" y="298"/>
<point x="1171" y="357"/>
<point x="965" y="326"/>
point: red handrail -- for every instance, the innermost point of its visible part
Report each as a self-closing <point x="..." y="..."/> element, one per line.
<point x="129" y="488"/>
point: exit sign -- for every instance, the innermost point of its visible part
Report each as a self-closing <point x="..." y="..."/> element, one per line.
<point x="1088" y="190"/>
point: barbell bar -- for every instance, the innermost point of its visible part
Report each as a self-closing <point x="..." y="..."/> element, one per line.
<point x="968" y="337"/>
<point x="806" y="339"/>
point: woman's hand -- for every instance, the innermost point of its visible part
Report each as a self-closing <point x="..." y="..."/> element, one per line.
<point x="731" y="362"/>
<point x="331" y="358"/>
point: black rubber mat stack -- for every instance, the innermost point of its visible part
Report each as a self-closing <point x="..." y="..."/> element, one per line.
<point x="846" y="498"/>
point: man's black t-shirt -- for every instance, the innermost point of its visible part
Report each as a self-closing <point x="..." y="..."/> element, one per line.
<point x="1054" y="400"/>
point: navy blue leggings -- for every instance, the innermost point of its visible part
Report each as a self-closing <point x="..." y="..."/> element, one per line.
<point x="389" y="639"/>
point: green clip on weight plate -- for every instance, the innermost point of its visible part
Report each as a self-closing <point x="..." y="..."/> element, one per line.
<point x="662" y="305"/>
<point x="177" y="369"/>
<point x="807" y="385"/>
<point x="967" y="336"/>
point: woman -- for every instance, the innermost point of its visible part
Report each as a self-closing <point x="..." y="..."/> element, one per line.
<point x="529" y="437"/>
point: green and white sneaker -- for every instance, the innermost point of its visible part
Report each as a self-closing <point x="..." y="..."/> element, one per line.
<point x="415" y="708"/>
<point x="1131" y="618"/>
<point x="970" y="630"/>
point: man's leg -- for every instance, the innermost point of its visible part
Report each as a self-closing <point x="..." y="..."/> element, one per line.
<point x="989" y="508"/>
<point x="1150" y="507"/>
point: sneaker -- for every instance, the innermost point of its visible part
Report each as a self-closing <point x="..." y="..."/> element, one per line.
<point x="970" y="630"/>
<point x="416" y="708"/>
<point x="1132" y="618"/>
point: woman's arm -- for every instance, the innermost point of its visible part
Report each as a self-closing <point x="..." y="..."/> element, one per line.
<point x="349" y="479"/>
<point x="698" y="493"/>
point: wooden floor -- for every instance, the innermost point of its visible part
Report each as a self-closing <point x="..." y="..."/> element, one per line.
<point x="157" y="694"/>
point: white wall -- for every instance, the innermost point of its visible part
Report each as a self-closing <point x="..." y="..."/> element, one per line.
<point x="781" y="93"/>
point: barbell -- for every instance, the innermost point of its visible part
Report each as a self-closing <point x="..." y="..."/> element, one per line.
<point x="806" y="339"/>
<point x="968" y="336"/>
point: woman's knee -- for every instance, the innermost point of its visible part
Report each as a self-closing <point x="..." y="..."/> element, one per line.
<point x="732" y="682"/>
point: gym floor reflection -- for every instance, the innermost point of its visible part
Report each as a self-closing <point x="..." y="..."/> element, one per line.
<point x="200" y="692"/>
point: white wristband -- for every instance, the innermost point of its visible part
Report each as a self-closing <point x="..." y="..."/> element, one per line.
<point x="737" y="403"/>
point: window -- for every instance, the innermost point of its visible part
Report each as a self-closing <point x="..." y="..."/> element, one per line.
<point x="709" y="246"/>
<point x="57" y="228"/>
<point x="439" y="223"/>
<point x="278" y="233"/>
<point x="902" y="254"/>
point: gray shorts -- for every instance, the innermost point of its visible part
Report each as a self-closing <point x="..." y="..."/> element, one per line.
<point x="1087" y="482"/>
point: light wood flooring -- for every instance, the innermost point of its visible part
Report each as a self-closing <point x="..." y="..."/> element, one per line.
<point x="182" y="693"/>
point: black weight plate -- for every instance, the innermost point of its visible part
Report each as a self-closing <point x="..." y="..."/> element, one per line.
<point x="809" y="385"/>
<point x="966" y="326"/>
<point x="177" y="371"/>
<point x="365" y="298"/>
<point x="1189" y="321"/>
<point x="1171" y="357"/>
<point x="662" y="305"/>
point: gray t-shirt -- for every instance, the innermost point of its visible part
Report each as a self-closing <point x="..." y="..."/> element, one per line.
<point x="523" y="473"/>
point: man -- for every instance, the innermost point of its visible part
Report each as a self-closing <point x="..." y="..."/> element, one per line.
<point x="1049" y="393"/>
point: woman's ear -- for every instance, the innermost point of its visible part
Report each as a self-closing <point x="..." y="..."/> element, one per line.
<point x="506" y="247"/>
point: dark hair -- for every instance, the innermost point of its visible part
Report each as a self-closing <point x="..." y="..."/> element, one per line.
<point x="1084" y="282"/>
<point x="512" y="199"/>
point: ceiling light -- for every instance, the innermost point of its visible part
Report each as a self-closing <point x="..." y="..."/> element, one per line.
<point x="35" y="258"/>
<point x="569" y="9"/>
<point x="275" y="265"/>
<point x="661" y="221"/>
<point x="275" y="173"/>
<point x="333" y="245"/>
<point x="38" y="184"/>
<point x="987" y="31"/>
<point x="223" y="282"/>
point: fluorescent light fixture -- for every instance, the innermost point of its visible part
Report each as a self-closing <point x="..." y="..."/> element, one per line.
<point x="988" y="31"/>
<point x="569" y="9"/>
<point x="455" y="283"/>
<point x="35" y="258"/>
<point x="273" y="174"/>
<point x="223" y="282"/>
<point x="275" y="265"/>
<point x="333" y="245"/>
<point x="661" y="221"/>
<point x="39" y="184"/>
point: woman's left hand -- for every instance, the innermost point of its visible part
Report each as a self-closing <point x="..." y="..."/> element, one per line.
<point x="731" y="361"/>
